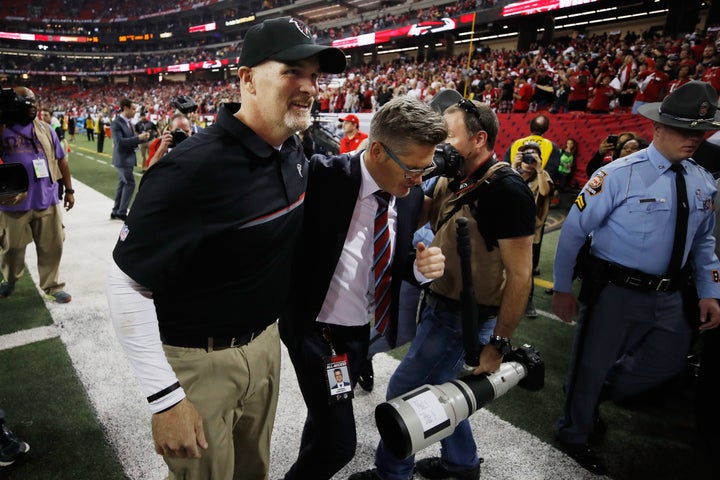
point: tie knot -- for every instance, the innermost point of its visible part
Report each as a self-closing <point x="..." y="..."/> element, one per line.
<point x="382" y="197"/>
<point x="677" y="168"/>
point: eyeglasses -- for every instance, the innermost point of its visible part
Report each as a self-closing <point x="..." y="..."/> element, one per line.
<point x="469" y="107"/>
<point x="409" y="172"/>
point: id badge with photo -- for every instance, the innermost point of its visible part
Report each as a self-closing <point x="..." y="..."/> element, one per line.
<point x="338" y="379"/>
<point x="41" y="168"/>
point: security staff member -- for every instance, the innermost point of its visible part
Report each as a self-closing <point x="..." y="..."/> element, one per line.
<point x="500" y="209"/>
<point x="633" y="333"/>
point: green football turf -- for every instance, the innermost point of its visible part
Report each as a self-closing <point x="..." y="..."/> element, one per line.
<point x="25" y="309"/>
<point x="47" y="407"/>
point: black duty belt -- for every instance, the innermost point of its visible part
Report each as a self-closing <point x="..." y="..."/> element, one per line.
<point x="441" y="302"/>
<point x="209" y="344"/>
<point x="637" y="280"/>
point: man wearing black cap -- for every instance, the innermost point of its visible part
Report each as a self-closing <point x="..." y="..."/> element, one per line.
<point x="223" y="210"/>
<point x="651" y="224"/>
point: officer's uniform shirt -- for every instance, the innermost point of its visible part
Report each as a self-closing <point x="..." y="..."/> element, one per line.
<point x="629" y="207"/>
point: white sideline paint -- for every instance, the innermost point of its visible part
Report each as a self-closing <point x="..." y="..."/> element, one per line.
<point x="85" y="328"/>
<point x="25" y="337"/>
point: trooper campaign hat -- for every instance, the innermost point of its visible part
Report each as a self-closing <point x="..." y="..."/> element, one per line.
<point x="287" y="39"/>
<point x="444" y="99"/>
<point x="692" y="106"/>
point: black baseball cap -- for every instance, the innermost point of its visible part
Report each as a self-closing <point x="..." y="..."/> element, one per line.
<point x="287" y="39"/>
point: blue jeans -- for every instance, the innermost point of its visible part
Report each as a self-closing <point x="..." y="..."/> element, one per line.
<point x="435" y="357"/>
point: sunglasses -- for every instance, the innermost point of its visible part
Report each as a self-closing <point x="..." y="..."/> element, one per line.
<point x="469" y="107"/>
<point x="409" y="172"/>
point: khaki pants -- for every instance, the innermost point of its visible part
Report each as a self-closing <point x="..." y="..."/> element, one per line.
<point x="236" y="391"/>
<point x="44" y="227"/>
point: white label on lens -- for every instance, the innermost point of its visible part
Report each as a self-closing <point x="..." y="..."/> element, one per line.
<point x="428" y="410"/>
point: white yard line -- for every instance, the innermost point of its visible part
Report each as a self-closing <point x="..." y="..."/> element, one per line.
<point x="25" y="337"/>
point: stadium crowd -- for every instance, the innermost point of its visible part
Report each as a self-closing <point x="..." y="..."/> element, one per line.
<point x="566" y="75"/>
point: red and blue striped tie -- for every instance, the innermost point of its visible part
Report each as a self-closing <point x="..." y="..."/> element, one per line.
<point x="381" y="262"/>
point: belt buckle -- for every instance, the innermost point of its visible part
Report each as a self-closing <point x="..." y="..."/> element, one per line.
<point x="633" y="281"/>
<point x="663" y="285"/>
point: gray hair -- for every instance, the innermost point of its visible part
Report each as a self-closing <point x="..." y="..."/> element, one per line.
<point x="405" y="121"/>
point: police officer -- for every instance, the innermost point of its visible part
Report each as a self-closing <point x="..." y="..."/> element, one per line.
<point x="633" y="332"/>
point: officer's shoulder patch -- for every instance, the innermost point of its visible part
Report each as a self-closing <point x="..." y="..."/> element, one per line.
<point x="595" y="185"/>
<point x="580" y="202"/>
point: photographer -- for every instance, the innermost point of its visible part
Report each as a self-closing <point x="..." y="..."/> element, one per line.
<point x="36" y="216"/>
<point x="527" y="163"/>
<point x="179" y="130"/>
<point x="500" y="212"/>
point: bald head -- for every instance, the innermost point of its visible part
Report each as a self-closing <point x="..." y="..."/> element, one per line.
<point x="28" y="113"/>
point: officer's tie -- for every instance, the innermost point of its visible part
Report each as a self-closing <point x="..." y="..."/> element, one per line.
<point x="681" y="222"/>
<point x="381" y="262"/>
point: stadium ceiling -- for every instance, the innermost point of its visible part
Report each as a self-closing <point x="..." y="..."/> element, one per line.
<point x="313" y="11"/>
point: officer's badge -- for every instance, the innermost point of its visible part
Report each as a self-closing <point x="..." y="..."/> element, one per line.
<point x="704" y="107"/>
<point x="594" y="186"/>
<point x="580" y="202"/>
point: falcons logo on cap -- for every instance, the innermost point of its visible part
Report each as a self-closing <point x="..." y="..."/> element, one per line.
<point x="301" y="26"/>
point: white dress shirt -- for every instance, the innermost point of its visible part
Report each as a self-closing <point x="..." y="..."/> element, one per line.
<point x="350" y="300"/>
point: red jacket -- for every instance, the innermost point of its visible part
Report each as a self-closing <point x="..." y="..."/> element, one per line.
<point x="653" y="86"/>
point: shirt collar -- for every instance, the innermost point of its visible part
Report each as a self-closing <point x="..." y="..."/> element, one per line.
<point x="368" y="185"/>
<point x="228" y="122"/>
<point x="660" y="163"/>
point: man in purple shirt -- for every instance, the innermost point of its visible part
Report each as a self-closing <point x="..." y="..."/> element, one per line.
<point x="35" y="215"/>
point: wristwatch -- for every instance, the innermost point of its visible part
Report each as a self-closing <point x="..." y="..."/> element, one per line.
<point x="69" y="190"/>
<point x="502" y="344"/>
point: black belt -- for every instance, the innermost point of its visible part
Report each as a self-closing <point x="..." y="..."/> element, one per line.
<point x="209" y="344"/>
<point x="637" y="280"/>
<point x="442" y="302"/>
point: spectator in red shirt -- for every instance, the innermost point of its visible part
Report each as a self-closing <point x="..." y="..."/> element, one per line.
<point x="684" y="74"/>
<point x="522" y="94"/>
<point x="652" y="85"/>
<point x="579" y="91"/>
<point x="712" y="76"/>
<point x="353" y="136"/>
<point x="604" y="93"/>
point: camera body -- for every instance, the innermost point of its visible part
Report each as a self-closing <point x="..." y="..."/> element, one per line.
<point x="447" y="160"/>
<point x="12" y="107"/>
<point x="185" y="104"/>
<point x="178" y="135"/>
<point x="528" y="158"/>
